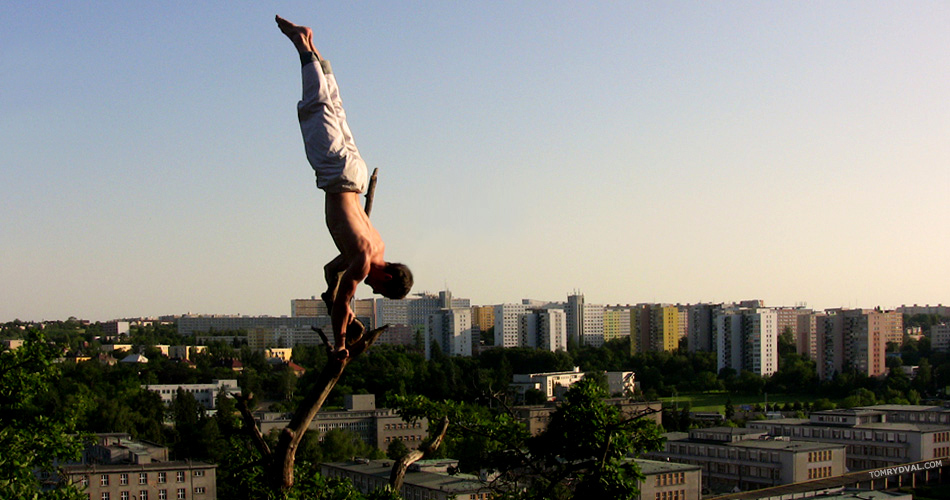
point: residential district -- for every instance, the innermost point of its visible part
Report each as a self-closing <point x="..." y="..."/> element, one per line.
<point x="866" y="451"/>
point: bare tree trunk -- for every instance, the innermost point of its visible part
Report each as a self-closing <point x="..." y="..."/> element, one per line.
<point x="250" y="426"/>
<point x="282" y="462"/>
<point x="402" y="465"/>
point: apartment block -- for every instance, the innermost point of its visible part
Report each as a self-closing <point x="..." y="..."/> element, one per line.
<point x="191" y="325"/>
<point x="939" y="310"/>
<point x="592" y="333"/>
<point x="655" y="327"/>
<point x="483" y="318"/>
<point x="855" y="338"/>
<point x="940" y="337"/>
<point x="543" y="329"/>
<point x="617" y="322"/>
<point x="451" y="330"/>
<point x="288" y="337"/>
<point x="699" y="332"/>
<point x="508" y="324"/>
<point x="311" y="307"/>
<point x="574" y="316"/>
<point x="747" y="339"/>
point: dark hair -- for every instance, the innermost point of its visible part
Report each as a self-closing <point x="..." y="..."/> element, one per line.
<point x="400" y="284"/>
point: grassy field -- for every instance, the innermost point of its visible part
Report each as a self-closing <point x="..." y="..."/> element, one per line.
<point x="716" y="401"/>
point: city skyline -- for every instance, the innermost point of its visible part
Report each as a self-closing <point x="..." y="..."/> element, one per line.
<point x="693" y="152"/>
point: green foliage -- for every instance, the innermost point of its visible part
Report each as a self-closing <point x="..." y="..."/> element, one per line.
<point x="31" y="438"/>
<point x="582" y="454"/>
<point x="396" y="450"/>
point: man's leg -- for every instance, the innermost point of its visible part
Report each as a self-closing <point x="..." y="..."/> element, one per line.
<point x="334" y="94"/>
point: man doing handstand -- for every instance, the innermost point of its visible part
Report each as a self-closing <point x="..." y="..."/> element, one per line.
<point x="340" y="173"/>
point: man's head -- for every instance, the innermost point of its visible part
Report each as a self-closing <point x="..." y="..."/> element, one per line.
<point x="392" y="281"/>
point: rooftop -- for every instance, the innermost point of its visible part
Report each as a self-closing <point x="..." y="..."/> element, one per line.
<point x="649" y="467"/>
<point x="431" y="480"/>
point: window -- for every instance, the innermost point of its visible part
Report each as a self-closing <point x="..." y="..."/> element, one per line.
<point x="181" y="494"/>
<point x="105" y="495"/>
<point x="161" y="478"/>
<point x="84" y="481"/>
<point x="198" y="473"/>
<point x="143" y="495"/>
<point x="180" y="476"/>
<point x="199" y="489"/>
<point x="104" y="480"/>
<point x="143" y="477"/>
<point x="123" y="479"/>
<point x="162" y="494"/>
<point x="124" y="495"/>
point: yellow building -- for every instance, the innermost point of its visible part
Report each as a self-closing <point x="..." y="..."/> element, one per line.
<point x="483" y="317"/>
<point x="284" y="354"/>
<point x="654" y="327"/>
<point x="616" y="322"/>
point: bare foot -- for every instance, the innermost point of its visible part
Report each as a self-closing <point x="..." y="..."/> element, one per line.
<point x="301" y="36"/>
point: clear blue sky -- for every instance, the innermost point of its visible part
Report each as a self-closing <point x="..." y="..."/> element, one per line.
<point x="151" y="163"/>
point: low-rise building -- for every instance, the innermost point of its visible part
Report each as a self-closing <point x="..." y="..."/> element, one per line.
<point x="669" y="480"/>
<point x="871" y="440"/>
<point x="204" y="394"/>
<point x="115" y="328"/>
<point x="185" y="351"/>
<point x="431" y="479"/>
<point x="281" y="354"/>
<point x="749" y="458"/>
<point x="116" y="467"/>
<point x="425" y="479"/>
<point x="915" y="414"/>
<point x="375" y="426"/>
<point x="12" y="344"/>
<point x="553" y="385"/>
<point x="537" y="417"/>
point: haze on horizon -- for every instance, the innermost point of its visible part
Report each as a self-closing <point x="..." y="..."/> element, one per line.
<point x="151" y="162"/>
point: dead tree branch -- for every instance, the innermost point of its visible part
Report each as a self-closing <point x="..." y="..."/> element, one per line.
<point x="250" y="426"/>
<point x="402" y="465"/>
<point x="370" y="193"/>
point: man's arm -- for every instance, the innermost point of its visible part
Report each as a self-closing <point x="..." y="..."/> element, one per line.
<point x="332" y="272"/>
<point x="342" y="315"/>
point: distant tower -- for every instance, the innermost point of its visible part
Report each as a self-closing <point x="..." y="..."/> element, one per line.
<point x="574" y="315"/>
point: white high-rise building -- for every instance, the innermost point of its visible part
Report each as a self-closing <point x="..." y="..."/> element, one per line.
<point x="544" y="329"/>
<point x="451" y="329"/>
<point x="593" y="324"/>
<point x="747" y="339"/>
<point x="508" y="324"/>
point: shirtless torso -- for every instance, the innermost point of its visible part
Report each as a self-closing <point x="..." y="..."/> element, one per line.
<point x="361" y="254"/>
